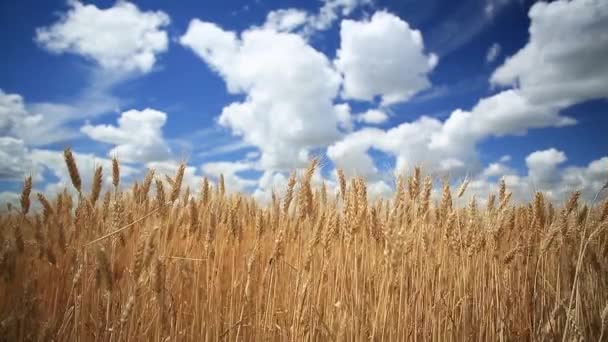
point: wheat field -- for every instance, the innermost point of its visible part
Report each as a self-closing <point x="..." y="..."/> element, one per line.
<point x="155" y="263"/>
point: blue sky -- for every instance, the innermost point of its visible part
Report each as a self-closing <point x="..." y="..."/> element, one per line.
<point x="253" y="89"/>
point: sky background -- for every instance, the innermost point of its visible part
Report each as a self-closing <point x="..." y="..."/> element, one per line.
<point x="253" y="89"/>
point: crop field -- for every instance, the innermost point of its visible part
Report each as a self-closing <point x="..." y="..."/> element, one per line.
<point x="152" y="262"/>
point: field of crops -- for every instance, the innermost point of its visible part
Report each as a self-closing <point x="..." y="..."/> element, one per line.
<point x="154" y="263"/>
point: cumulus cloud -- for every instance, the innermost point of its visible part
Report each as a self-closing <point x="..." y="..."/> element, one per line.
<point x="285" y="120"/>
<point x="373" y="117"/>
<point x="289" y="88"/>
<point x="138" y="138"/>
<point x="449" y="147"/>
<point x="345" y="117"/>
<point x="350" y="153"/>
<point x="542" y="167"/>
<point x="554" y="70"/>
<point x="506" y="113"/>
<point x="268" y="183"/>
<point x="382" y="57"/>
<point x="545" y="173"/>
<point x="14" y="162"/>
<point x="120" y="38"/>
<point x="19" y="122"/>
<point x="566" y="58"/>
<point x="496" y="169"/>
<point x="409" y="143"/>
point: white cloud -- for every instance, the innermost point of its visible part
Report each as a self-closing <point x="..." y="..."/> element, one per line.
<point x="345" y="117"/>
<point x="19" y="122"/>
<point x="288" y="107"/>
<point x="493" y="53"/>
<point x="566" y="58"/>
<point x="445" y="147"/>
<point x="373" y="116"/>
<point x="409" y="142"/>
<point x="270" y="181"/>
<point x="286" y="20"/>
<point x="138" y="136"/>
<point x="383" y="57"/>
<point x="120" y="38"/>
<point x="350" y="153"/>
<point x="542" y="167"/>
<point x="495" y="170"/>
<point x="14" y="163"/>
<point x="551" y="72"/>
<point x="306" y="24"/>
<point x="331" y="10"/>
<point x="289" y="89"/>
<point x="506" y="113"/>
<point x="545" y="173"/>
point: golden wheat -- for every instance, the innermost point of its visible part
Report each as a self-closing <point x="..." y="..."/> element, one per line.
<point x="182" y="267"/>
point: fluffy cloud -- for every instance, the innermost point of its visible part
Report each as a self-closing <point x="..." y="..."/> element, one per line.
<point x="350" y="153"/>
<point x="410" y="143"/>
<point x="14" y="118"/>
<point x="560" y="66"/>
<point x="345" y="117"/>
<point x="496" y="169"/>
<point x="14" y="164"/>
<point x="373" y="116"/>
<point x="542" y="167"/>
<point x="19" y="122"/>
<point x="384" y="57"/>
<point x="138" y="136"/>
<point x="566" y="58"/>
<point x="447" y="147"/>
<point x="506" y="113"/>
<point x="546" y="174"/>
<point x="121" y="37"/>
<point x="289" y="89"/>
<point x="270" y="181"/>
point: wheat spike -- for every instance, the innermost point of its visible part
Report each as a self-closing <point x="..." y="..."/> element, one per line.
<point x="72" y="169"/>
